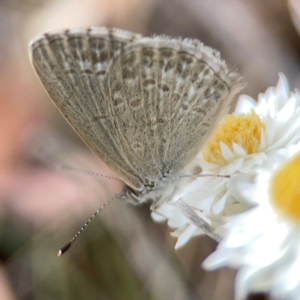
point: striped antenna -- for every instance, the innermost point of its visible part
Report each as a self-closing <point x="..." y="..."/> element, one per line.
<point x="81" y="172"/>
<point x="68" y="245"/>
<point x="207" y="175"/>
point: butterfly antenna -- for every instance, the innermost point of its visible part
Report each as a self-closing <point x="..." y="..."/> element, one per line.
<point x="68" y="245"/>
<point x="81" y="172"/>
<point x="207" y="175"/>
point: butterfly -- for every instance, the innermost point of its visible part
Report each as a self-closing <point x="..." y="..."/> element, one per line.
<point x="144" y="105"/>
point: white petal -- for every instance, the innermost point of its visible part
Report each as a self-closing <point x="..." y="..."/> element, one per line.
<point x="245" y="104"/>
<point x="216" y="260"/>
<point x="238" y="150"/>
<point x="157" y="218"/>
<point x="263" y="141"/>
<point x="177" y="220"/>
<point x="287" y="111"/>
<point x="282" y="89"/>
<point x="186" y="235"/>
<point x="270" y="130"/>
<point x="205" y="204"/>
<point x="226" y="152"/>
<point x="219" y="205"/>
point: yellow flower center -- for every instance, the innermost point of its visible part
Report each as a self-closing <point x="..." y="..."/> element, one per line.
<point x="243" y="129"/>
<point x="285" y="188"/>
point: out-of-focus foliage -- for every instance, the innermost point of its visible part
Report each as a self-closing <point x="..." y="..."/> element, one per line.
<point x="123" y="254"/>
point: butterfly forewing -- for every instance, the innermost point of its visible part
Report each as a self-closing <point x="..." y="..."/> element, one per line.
<point x="168" y="93"/>
<point x="72" y="65"/>
<point x="143" y="105"/>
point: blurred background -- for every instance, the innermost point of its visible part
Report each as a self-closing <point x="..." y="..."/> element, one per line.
<point x="123" y="254"/>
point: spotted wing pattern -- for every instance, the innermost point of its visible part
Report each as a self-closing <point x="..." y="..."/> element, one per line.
<point x="72" y="65"/>
<point x="145" y="106"/>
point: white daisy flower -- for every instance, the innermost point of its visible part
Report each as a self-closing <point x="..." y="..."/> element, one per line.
<point x="264" y="242"/>
<point x="242" y="142"/>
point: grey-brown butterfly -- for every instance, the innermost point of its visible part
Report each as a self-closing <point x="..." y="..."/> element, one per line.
<point x="144" y="105"/>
